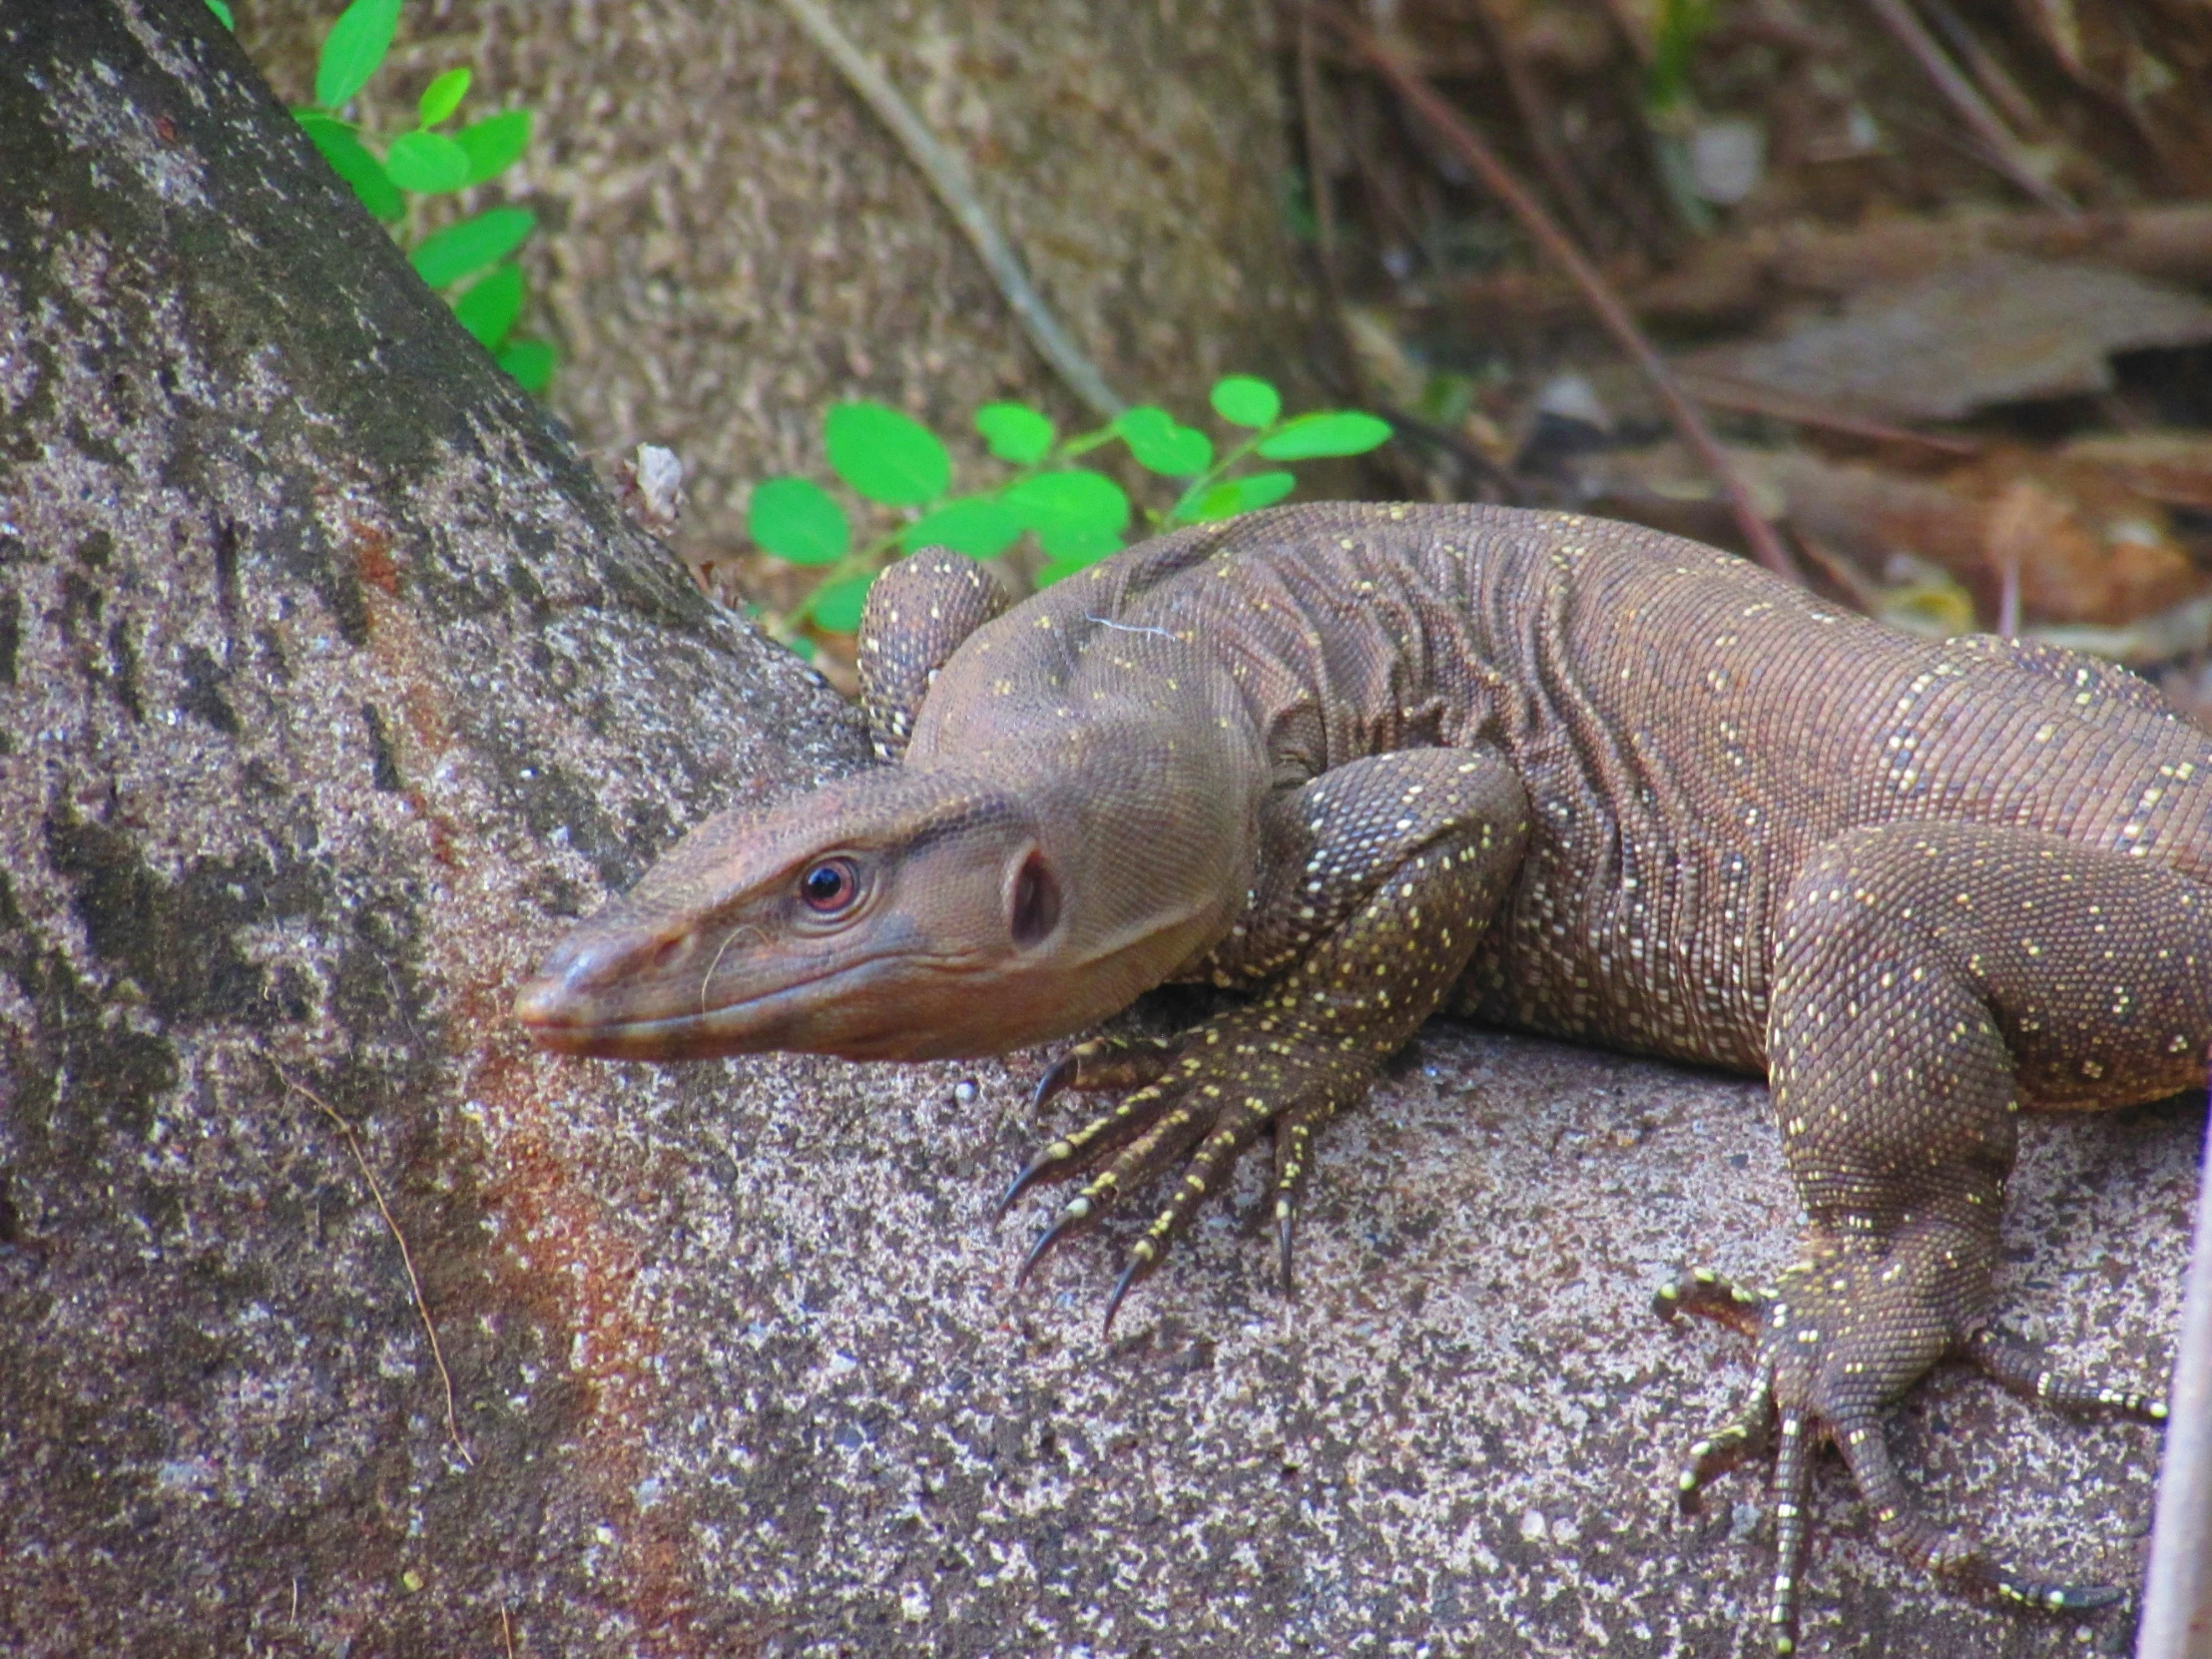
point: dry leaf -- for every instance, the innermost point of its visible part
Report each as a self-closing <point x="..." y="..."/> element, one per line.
<point x="1997" y="328"/>
<point x="2169" y="466"/>
<point x="2087" y="549"/>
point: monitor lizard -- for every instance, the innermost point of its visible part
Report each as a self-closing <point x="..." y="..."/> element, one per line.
<point x="1366" y="763"/>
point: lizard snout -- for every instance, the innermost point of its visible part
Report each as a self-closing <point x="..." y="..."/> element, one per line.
<point x="589" y="983"/>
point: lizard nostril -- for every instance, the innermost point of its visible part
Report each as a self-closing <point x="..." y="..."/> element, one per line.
<point x="544" y="1001"/>
<point x="570" y="984"/>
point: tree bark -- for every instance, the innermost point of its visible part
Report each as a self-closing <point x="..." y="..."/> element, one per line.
<point x="329" y="677"/>
<point x="330" y="684"/>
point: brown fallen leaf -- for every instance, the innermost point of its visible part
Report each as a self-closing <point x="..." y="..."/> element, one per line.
<point x="1727" y="278"/>
<point x="1997" y="328"/>
<point x="2086" y="549"/>
<point x="2170" y="467"/>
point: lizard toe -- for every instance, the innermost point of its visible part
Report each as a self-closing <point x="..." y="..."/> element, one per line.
<point x="1172" y="1127"/>
<point x="2021" y="1369"/>
<point x="1217" y="1154"/>
<point x="1210" y="1096"/>
<point x="1293" y="1162"/>
<point x="1748" y="1434"/>
<point x="1085" y="1149"/>
<point x="1107" y="1064"/>
<point x="1911" y="1537"/>
<point x="1710" y="1295"/>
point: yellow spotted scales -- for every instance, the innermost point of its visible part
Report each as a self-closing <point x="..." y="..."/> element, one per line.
<point x="1366" y="763"/>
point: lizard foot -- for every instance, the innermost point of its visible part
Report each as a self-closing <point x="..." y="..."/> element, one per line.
<point x="1202" y="1099"/>
<point x="1837" y="1338"/>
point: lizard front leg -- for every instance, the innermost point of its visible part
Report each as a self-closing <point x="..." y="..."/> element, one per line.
<point x="1377" y="880"/>
<point x="1929" y="980"/>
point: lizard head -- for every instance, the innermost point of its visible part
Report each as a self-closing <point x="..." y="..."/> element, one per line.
<point x="891" y="915"/>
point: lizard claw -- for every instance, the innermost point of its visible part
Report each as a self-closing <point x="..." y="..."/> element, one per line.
<point x="1182" y="1111"/>
<point x="1058" y="1077"/>
<point x="1132" y="1121"/>
<point x="1105" y="1063"/>
<point x="1077" y="1217"/>
<point x="1294" y="1140"/>
<point x="1043" y="1164"/>
<point x="1142" y="1260"/>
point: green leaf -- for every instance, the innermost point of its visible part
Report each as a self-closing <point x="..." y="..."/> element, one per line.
<point x="350" y="160"/>
<point x="495" y="144"/>
<point x="427" y="162"/>
<point x="797" y="520"/>
<point x="530" y="362"/>
<point x="489" y="308"/>
<point x="353" y="49"/>
<point x="835" y="606"/>
<point x="1245" y="400"/>
<point x="443" y="96"/>
<point x="471" y="244"/>
<point x="977" y="525"/>
<point x="1163" y="445"/>
<point x="223" y="15"/>
<point x="1327" y="432"/>
<point x="884" y="455"/>
<point x="1014" y="432"/>
<point x="1239" y="495"/>
<point x="1076" y="515"/>
<point x="801" y="646"/>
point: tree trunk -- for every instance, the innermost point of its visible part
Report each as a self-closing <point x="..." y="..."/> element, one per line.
<point x="330" y="685"/>
<point x="330" y="679"/>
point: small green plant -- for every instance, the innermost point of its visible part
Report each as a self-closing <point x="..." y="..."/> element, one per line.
<point x="1077" y="516"/>
<point x="467" y="262"/>
<point x="1675" y="34"/>
<point x="1670" y="107"/>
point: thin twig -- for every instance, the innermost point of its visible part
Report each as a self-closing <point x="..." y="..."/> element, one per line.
<point x="1424" y="99"/>
<point x="1996" y="85"/>
<point x="2002" y="147"/>
<point x="1717" y="392"/>
<point x="2177" y="1599"/>
<point x="406" y="1256"/>
<point x="1536" y="123"/>
<point x="948" y="176"/>
<point x="1319" y="189"/>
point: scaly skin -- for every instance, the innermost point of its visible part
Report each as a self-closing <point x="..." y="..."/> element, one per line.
<point x="1372" y="763"/>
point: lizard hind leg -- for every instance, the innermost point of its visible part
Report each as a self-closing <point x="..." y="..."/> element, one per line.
<point x="1929" y="978"/>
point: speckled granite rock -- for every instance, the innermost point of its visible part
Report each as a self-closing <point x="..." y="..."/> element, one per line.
<point x="328" y="686"/>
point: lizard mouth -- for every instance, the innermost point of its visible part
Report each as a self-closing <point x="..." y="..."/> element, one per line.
<point x="564" y="1017"/>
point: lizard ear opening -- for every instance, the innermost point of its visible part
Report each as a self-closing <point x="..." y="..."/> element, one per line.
<point x="1033" y="909"/>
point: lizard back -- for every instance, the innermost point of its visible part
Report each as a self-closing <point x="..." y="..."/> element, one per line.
<point x="1689" y="729"/>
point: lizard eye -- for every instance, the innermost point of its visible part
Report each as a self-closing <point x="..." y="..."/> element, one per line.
<point x="830" y="886"/>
